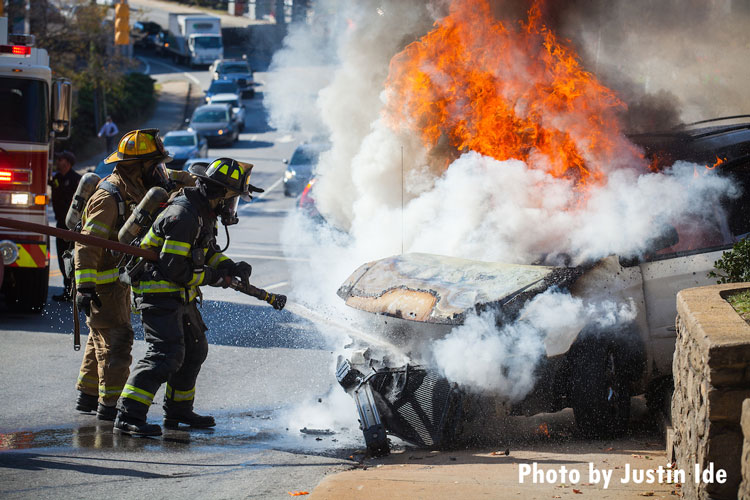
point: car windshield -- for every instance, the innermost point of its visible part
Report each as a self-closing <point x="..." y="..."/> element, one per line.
<point x="179" y="140"/>
<point x="25" y="108"/>
<point x="223" y="86"/>
<point x="210" y="116"/>
<point x="208" y="42"/>
<point x="234" y="68"/>
<point x="301" y="156"/>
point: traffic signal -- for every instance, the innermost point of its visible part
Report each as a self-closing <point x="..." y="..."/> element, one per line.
<point x="122" y="24"/>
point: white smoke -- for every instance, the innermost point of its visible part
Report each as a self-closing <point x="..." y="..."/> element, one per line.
<point x="382" y="189"/>
<point x="502" y="359"/>
<point x="484" y="209"/>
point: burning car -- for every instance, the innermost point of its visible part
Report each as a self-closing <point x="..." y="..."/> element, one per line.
<point x="411" y="301"/>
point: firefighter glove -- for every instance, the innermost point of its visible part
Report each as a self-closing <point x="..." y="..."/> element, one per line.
<point x="223" y="279"/>
<point x="84" y="298"/>
<point x="242" y="270"/>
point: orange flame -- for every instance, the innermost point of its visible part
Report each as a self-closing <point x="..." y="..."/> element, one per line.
<point x="506" y="91"/>
<point x="543" y="429"/>
<point x="718" y="162"/>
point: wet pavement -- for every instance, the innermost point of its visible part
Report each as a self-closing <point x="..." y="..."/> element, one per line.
<point x="261" y="397"/>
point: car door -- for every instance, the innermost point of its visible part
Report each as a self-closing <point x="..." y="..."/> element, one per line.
<point x="202" y="146"/>
<point x="683" y="265"/>
<point x="662" y="279"/>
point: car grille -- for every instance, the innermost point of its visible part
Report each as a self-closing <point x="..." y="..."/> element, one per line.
<point x="420" y="406"/>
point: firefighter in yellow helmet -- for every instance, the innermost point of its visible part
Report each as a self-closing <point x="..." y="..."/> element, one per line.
<point x="184" y="235"/>
<point x="138" y="166"/>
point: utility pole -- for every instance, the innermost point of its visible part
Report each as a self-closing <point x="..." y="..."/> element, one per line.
<point x="280" y="16"/>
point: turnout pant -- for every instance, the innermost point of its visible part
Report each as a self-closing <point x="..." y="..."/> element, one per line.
<point x="106" y="360"/>
<point x="177" y="347"/>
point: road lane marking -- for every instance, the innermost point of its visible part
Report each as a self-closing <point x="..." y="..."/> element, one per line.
<point x="178" y="70"/>
<point x="148" y="66"/>
<point x="273" y="186"/>
<point x="265" y="257"/>
<point x="276" y="285"/>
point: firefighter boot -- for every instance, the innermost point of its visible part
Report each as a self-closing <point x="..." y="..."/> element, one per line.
<point x="104" y="412"/>
<point x="174" y="415"/>
<point x="135" y="428"/>
<point x="86" y="403"/>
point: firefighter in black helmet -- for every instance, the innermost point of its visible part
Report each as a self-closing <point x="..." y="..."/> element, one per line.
<point x="184" y="235"/>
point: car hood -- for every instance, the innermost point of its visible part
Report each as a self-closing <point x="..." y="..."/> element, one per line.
<point x="302" y="169"/>
<point x="209" y="126"/>
<point x="180" y="151"/>
<point x="437" y="289"/>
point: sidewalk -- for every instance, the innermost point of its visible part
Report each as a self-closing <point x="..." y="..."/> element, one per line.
<point x="168" y="114"/>
<point x="548" y="441"/>
<point x="419" y="474"/>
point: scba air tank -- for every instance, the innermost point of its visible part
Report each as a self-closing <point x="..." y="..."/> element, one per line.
<point x="143" y="215"/>
<point x="86" y="187"/>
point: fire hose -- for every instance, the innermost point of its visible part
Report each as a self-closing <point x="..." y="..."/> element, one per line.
<point x="278" y="301"/>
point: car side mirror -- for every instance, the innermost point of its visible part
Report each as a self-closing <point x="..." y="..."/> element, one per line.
<point x="285" y="161"/>
<point x="187" y="120"/>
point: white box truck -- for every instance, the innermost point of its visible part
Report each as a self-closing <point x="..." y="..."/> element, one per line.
<point x="194" y="38"/>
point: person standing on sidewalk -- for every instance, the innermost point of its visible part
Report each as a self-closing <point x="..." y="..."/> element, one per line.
<point x="109" y="131"/>
<point x="100" y="294"/>
<point x="64" y="183"/>
<point x="166" y="293"/>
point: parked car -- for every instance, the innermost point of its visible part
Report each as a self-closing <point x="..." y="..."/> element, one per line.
<point x="161" y="43"/>
<point x="183" y="145"/>
<point x="222" y="87"/>
<point x="144" y="34"/>
<point x="236" y="70"/>
<point x="300" y="168"/>
<point x="237" y="107"/>
<point x="103" y="169"/>
<point x="198" y="160"/>
<point x="216" y="123"/>
<point x="412" y="300"/>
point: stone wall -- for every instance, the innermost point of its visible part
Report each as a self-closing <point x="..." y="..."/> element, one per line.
<point x="711" y="369"/>
<point x="744" y="493"/>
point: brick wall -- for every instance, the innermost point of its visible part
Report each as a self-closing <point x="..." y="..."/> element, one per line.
<point x="711" y="369"/>
<point x="744" y="493"/>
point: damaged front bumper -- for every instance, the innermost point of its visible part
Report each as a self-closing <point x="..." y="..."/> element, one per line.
<point x="410" y="402"/>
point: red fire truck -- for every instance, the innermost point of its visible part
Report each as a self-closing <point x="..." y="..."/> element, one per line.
<point x="35" y="110"/>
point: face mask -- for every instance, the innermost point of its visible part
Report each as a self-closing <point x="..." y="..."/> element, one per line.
<point x="157" y="176"/>
<point x="227" y="210"/>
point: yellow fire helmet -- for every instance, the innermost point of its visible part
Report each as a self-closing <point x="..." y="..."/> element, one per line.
<point x="140" y="145"/>
<point x="228" y="173"/>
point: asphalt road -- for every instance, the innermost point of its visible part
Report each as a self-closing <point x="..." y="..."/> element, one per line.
<point x="267" y="376"/>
